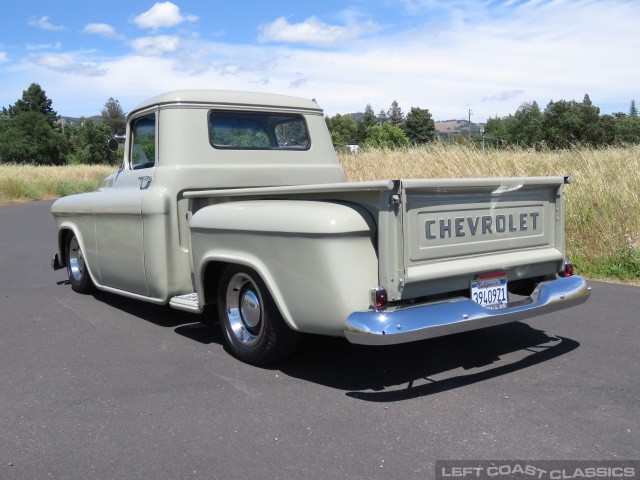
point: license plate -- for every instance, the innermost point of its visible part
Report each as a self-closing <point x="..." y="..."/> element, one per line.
<point x="490" y="291"/>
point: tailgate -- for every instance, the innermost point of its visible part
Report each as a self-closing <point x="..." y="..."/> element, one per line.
<point x="454" y="230"/>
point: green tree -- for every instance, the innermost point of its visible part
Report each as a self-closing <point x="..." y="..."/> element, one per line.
<point x="88" y="144"/>
<point x="386" y="136"/>
<point x="114" y="116"/>
<point x="563" y="124"/>
<point x="5" y="120"/>
<point x="395" y="115"/>
<point x="34" y="99"/>
<point x="31" y="139"/>
<point x="368" y="120"/>
<point x="524" y="127"/>
<point x="496" y="128"/>
<point x="604" y="133"/>
<point x="343" y="129"/>
<point x="382" y="117"/>
<point x="633" y="111"/>
<point x="627" y="129"/>
<point x="566" y="123"/>
<point x="419" y="126"/>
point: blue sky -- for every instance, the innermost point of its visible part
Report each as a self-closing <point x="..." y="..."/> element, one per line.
<point x="447" y="56"/>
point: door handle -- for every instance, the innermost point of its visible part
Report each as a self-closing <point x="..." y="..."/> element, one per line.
<point x="145" y="178"/>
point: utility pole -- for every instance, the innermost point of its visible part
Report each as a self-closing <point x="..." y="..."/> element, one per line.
<point x="470" y="112"/>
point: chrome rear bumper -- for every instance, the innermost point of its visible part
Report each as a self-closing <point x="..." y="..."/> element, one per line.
<point x="418" y="322"/>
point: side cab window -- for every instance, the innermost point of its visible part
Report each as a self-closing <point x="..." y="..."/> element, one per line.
<point x="143" y="143"/>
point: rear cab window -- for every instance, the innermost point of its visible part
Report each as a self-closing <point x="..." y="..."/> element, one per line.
<point x="258" y="131"/>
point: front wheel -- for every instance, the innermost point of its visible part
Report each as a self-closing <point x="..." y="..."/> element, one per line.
<point x="252" y="326"/>
<point x="76" y="267"/>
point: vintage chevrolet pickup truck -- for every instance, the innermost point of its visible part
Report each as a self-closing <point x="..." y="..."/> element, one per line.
<point x="237" y="200"/>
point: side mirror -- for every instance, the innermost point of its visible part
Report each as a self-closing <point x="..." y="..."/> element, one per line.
<point x="113" y="144"/>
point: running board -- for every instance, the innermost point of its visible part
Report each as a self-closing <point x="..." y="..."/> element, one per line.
<point x="187" y="302"/>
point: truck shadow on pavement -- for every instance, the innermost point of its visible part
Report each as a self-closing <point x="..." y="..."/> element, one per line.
<point x="403" y="372"/>
<point x="382" y="374"/>
<point x="186" y="324"/>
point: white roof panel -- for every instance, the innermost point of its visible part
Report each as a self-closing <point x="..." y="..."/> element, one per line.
<point x="229" y="97"/>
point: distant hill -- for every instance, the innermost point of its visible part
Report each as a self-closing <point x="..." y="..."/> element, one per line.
<point x="76" y="121"/>
<point x="445" y="126"/>
<point x="456" y="126"/>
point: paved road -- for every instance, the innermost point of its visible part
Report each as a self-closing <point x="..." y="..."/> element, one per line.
<point x="103" y="387"/>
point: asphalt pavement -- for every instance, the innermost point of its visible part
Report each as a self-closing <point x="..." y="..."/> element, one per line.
<point x="100" y="386"/>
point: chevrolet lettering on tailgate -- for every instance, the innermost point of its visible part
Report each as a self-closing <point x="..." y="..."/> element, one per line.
<point x="483" y="225"/>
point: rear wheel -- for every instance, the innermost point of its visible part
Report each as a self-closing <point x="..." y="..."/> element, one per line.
<point x="251" y="324"/>
<point x="76" y="267"/>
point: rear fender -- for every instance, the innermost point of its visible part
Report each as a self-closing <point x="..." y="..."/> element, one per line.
<point x="317" y="258"/>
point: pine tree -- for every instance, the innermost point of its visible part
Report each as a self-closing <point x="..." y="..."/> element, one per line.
<point x="396" y="117"/>
<point x="114" y="116"/>
<point x="382" y="117"/>
<point x="34" y="99"/>
<point x="586" y="100"/>
<point x="633" y="111"/>
<point x="368" y="120"/>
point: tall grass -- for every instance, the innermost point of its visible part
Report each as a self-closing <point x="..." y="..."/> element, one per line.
<point x="602" y="205"/>
<point x="20" y="183"/>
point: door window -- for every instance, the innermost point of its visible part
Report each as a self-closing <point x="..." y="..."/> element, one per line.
<point x="143" y="143"/>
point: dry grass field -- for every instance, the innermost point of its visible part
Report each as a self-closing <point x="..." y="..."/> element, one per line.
<point x="22" y="183"/>
<point x="603" y="203"/>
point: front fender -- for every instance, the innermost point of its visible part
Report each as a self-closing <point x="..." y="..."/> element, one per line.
<point x="66" y="228"/>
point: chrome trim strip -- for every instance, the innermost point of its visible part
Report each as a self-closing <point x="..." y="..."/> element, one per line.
<point x="461" y="314"/>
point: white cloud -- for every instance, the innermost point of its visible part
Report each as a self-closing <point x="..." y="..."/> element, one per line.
<point x="313" y="32"/>
<point x="447" y="71"/>
<point x="155" y="46"/>
<point x="503" y="96"/>
<point x="298" y="82"/>
<point x="44" y="24"/>
<point x="162" y="15"/>
<point x="65" y="64"/>
<point x="100" y="29"/>
<point x="3" y="57"/>
<point x="44" y="46"/>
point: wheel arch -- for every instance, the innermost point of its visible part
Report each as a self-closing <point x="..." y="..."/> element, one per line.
<point x="64" y="231"/>
<point x="212" y="266"/>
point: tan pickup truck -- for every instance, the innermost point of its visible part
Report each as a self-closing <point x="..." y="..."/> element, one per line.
<point x="238" y="200"/>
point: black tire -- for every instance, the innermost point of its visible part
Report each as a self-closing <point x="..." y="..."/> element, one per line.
<point x="76" y="267"/>
<point x="252" y="326"/>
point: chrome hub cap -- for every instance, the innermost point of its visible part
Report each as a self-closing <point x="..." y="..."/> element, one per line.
<point x="76" y="260"/>
<point x="244" y="309"/>
<point x="250" y="309"/>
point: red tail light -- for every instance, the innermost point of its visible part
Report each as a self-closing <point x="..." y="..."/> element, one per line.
<point x="568" y="270"/>
<point x="378" y="298"/>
